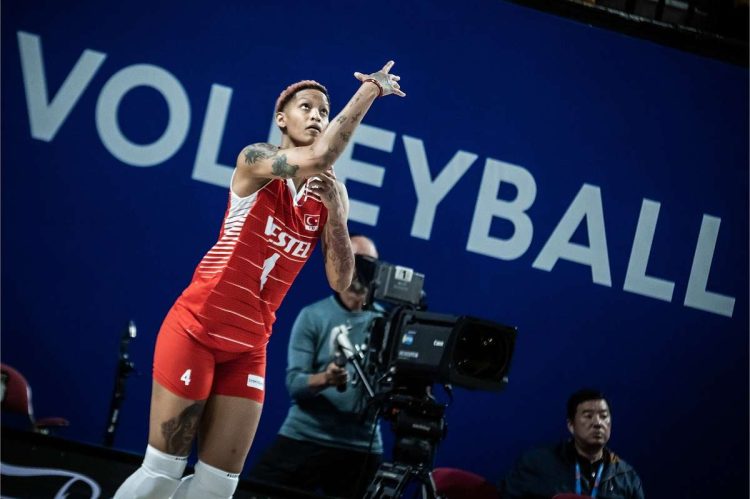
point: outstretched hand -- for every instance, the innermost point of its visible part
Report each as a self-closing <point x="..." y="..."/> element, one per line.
<point x="386" y="82"/>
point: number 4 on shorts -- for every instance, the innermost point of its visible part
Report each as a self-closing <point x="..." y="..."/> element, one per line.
<point x="185" y="378"/>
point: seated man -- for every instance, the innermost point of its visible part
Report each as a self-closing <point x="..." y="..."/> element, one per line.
<point x="581" y="465"/>
<point x="324" y="444"/>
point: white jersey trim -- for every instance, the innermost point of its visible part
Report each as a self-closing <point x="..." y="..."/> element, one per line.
<point x="216" y="258"/>
<point x="230" y="339"/>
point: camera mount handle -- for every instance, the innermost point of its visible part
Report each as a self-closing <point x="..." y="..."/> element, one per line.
<point x="353" y="356"/>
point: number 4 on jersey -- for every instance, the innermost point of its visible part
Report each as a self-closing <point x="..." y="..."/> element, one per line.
<point x="185" y="378"/>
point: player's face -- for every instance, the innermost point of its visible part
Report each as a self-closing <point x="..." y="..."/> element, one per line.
<point x="305" y="116"/>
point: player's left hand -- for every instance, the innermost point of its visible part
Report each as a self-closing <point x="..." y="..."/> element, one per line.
<point x="387" y="83"/>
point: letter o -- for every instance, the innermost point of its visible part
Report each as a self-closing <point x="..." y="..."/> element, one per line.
<point x="109" y="101"/>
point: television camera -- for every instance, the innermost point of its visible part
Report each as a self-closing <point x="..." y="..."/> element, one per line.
<point x="408" y="351"/>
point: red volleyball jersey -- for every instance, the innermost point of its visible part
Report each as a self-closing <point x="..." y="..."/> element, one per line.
<point x="239" y="284"/>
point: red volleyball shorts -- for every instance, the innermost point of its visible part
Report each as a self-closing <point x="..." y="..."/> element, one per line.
<point x="194" y="371"/>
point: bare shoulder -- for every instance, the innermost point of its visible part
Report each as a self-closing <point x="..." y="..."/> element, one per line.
<point x="248" y="177"/>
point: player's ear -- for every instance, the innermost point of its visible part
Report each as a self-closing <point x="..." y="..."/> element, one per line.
<point x="280" y="119"/>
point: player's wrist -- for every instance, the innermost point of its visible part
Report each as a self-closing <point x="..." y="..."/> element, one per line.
<point x="376" y="83"/>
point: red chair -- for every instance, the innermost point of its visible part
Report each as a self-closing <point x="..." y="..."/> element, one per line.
<point x="17" y="399"/>
<point x="454" y="483"/>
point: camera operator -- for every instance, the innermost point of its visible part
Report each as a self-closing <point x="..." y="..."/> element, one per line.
<point x="324" y="443"/>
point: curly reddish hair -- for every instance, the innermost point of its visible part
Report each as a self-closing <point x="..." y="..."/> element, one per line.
<point x="292" y="89"/>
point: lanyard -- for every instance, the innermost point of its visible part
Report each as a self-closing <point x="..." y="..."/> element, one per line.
<point x="598" y="479"/>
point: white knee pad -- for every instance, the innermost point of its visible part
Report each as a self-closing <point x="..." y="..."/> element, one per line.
<point x="207" y="483"/>
<point x="157" y="478"/>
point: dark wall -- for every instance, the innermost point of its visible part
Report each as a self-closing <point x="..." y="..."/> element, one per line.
<point x="593" y="191"/>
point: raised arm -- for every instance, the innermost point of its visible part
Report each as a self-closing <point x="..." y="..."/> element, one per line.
<point x="264" y="161"/>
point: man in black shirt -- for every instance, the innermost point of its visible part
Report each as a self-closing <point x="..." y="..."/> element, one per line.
<point x="581" y="465"/>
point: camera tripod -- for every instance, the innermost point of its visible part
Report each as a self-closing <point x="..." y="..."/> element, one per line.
<point x="417" y="421"/>
<point x="391" y="480"/>
<point x="419" y="425"/>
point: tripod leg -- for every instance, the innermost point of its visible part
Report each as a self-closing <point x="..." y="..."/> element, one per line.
<point x="389" y="481"/>
<point x="374" y="490"/>
<point x="429" y="490"/>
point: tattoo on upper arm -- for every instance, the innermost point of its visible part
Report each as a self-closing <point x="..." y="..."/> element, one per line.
<point x="257" y="152"/>
<point x="179" y="431"/>
<point x="283" y="169"/>
<point x="341" y="119"/>
<point x="356" y="116"/>
<point x="345" y="136"/>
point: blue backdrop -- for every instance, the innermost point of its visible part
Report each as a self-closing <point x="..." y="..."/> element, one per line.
<point x="587" y="187"/>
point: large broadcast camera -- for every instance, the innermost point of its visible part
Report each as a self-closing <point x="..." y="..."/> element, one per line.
<point x="409" y="350"/>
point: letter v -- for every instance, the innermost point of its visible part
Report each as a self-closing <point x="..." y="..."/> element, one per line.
<point x="45" y="116"/>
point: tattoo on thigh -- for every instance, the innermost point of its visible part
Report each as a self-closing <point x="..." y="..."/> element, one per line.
<point x="179" y="432"/>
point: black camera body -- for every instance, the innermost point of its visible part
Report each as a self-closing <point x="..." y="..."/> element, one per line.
<point x="420" y="347"/>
